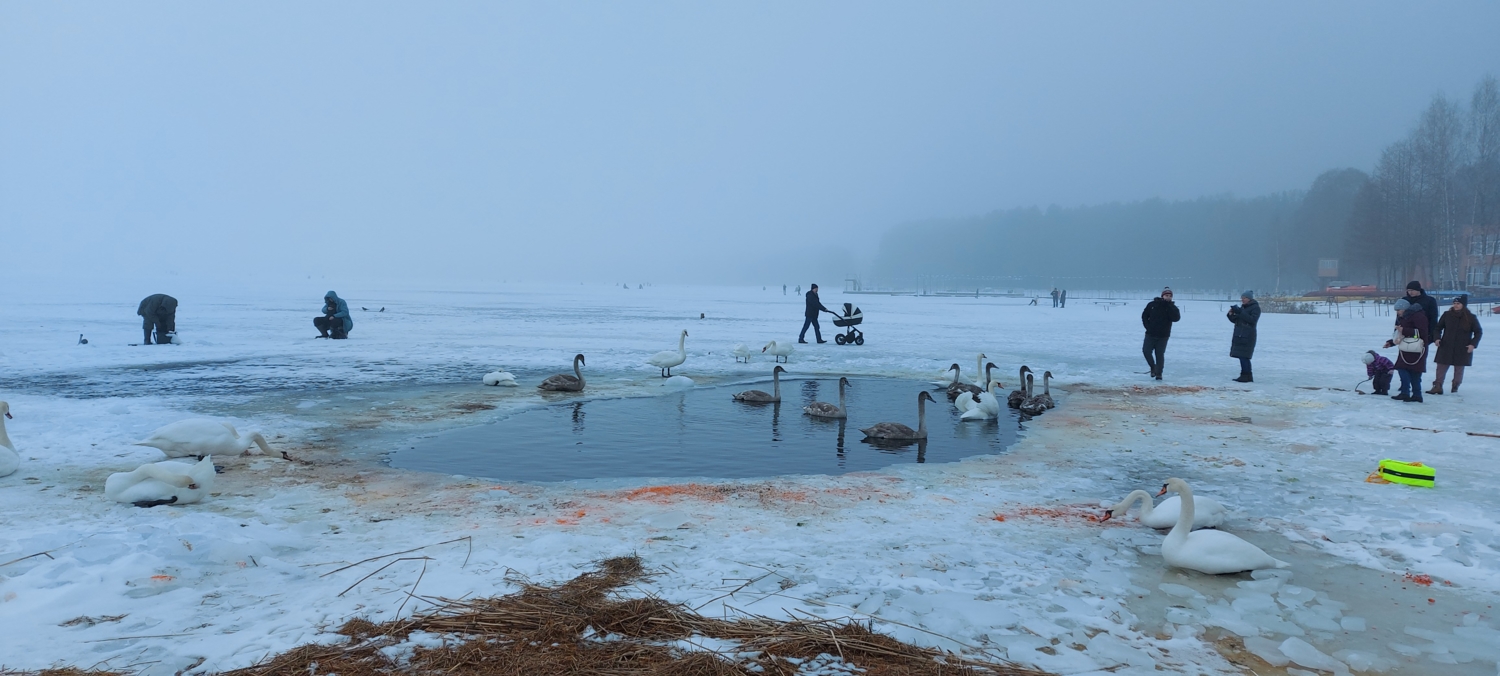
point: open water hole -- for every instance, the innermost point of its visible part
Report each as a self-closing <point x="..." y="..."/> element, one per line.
<point x="702" y="432"/>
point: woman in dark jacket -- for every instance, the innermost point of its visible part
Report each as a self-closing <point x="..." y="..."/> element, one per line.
<point x="1456" y="336"/>
<point x="1411" y="322"/>
<point x="1244" y="317"/>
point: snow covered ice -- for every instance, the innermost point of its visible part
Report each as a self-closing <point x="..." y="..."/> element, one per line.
<point x="993" y="554"/>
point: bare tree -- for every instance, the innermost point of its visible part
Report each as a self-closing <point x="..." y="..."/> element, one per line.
<point x="1438" y="146"/>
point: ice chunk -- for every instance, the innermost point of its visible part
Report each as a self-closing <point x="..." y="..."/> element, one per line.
<point x="1108" y="649"/>
<point x="1180" y="591"/>
<point x="1292" y="595"/>
<point x="1458" y="555"/>
<point x="1268" y="573"/>
<point x="1352" y="623"/>
<point x="1268" y="585"/>
<point x="1179" y="616"/>
<point x="1266" y="649"/>
<point x="1402" y="648"/>
<point x="1303" y="653"/>
<point x="1363" y="661"/>
<point x="1314" y="621"/>
<point x="1254" y="602"/>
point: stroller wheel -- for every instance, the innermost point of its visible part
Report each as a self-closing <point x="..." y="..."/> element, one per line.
<point x="859" y="340"/>
<point x="839" y="338"/>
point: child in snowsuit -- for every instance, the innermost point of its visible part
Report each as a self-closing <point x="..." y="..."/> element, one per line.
<point x="1378" y="369"/>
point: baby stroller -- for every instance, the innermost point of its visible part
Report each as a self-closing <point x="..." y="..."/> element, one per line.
<point x="852" y="317"/>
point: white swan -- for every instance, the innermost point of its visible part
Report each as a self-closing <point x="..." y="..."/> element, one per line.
<point x="783" y="353"/>
<point x="898" y="431"/>
<point x="667" y="359"/>
<point x="980" y="378"/>
<point x="500" y="378"/>
<point x="986" y="406"/>
<point x="823" y="409"/>
<point x="1207" y="512"/>
<point x="162" y="483"/>
<point x="198" y="437"/>
<point x="963" y="402"/>
<point x="563" y="382"/>
<point x="10" y="461"/>
<point x="759" y="396"/>
<point x="741" y="353"/>
<point x="1208" y="551"/>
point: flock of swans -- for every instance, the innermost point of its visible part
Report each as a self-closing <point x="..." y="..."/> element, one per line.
<point x="980" y="400"/>
<point x="1191" y="543"/>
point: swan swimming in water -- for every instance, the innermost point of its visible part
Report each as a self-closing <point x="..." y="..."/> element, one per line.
<point x="986" y="406"/>
<point x="162" y="483"/>
<point x="563" y="382"/>
<point x="10" y="461"/>
<point x="958" y="387"/>
<point x="1208" y="551"/>
<point x="823" y="409"/>
<point x="199" y="437"/>
<point x="783" y="353"/>
<point x="667" y="359"/>
<point x="1045" y="398"/>
<point x="760" y="397"/>
<point x="1207" y="512"/>
<point x="1019" y="394"/>
<point x="951" y="373"/>
<point x="1032" y="405"/>
<point x="500" y="378"/>
<point x="898" y="431"/>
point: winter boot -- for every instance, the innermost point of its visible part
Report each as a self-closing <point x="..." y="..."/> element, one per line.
<point x="1437" y="388"/>
<point x="1455" y="388"/>
<point x="1244" y="378"/>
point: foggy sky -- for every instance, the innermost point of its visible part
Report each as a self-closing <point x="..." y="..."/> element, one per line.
<point x="767" y="142"/>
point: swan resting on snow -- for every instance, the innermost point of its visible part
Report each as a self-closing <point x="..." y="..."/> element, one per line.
<point x="1207" y="512"/>
<point x="199" y="437"/>
<point x="667" y="359"/>
<point x="759" y="396"/>
<point x="10" y="461"/>
<point x="563" y="382"/>
<point x="500" y="378"/>
<point x="823" y="409"/>
<point x="1208" y="551"/>
<point x="162" y="483"/>
<point x="898" y="431"/>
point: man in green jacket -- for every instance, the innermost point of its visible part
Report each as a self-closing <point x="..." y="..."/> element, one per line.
<point x="158" y="311"/>
<point x="335" y="320"/>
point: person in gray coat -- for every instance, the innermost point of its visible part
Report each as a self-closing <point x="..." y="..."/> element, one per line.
<point x="1242" y="346"/>
<point x="335" y="322"/>
<point x="158" y="311"/>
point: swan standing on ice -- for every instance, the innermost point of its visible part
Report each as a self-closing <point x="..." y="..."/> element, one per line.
<point x="898" y="431"/>
<point x="1207" y="512"/>
<point x="162" y="483"/>
<point x="742" y="353"/>
<point x="782" y="352"/>
<point x="823" y="409"/>
<point x="199" y="437"/>
<point x="10" y="461"/>
<point x="760" y="397"/>
<point x="563" y="382"/>
<point x="666" y="360"/>
<point x="500" y="378"/>
<point x="1208" y="551"/>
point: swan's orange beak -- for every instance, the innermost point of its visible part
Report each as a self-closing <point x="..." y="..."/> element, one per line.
<point x="1163" y="491"/>
<point x="1108" y="513"/>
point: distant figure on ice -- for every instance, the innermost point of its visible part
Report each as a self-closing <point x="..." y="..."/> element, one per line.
<point x="158" y="311"/>
<point x="1453" y="343"/>
<point x="1062" y="299"/>
<point x="1158" y="318"/>
<point x="1378" y="370"/>
<point x="1411" y="355"/>
<point x="783" y="289"/>
<point x="1242" y="346"/>
<point x="1415" y="294"/>
<point x="1054" y="296"/>
<point x="335" y="322"/>
<point x="810" y="316"/>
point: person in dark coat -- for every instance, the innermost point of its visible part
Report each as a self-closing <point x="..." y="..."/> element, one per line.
<point x="335" y="322"/>
<point x="810" y="316"/>
<point x="1054" y="296"/>
<point x="1411" y="322"/>
<point x="1415" y="294"/>
<point x="1242" y="346"/>
<point x="158" y="311"/>
<point x="1158" y="318"/>
<point x="1453" y="343"/>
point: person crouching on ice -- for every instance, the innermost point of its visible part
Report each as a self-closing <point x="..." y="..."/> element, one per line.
<point x="1378" y="369"/>
<point x="335" y="319"/>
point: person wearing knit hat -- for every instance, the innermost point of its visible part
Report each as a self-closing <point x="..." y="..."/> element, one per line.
<point x="1158" y="318"/>
<point x="1242" y="345"/>
<point x="1453" y="341"/>
<point x="1415" y="294"/>
<point x="1411" y="359"/>
<point x="1378" y="369"/>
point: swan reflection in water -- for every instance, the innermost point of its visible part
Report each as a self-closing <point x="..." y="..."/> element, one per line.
<point x="840" y="445"/>
<point x="776" y="421"/>
<point x="899" y="446"/>
<point x="578" y="416"/>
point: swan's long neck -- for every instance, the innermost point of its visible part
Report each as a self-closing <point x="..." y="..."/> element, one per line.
<point x="1135" y="496"/>
<point x="979" y="366"/>
<point x="682" y="344"/>
<point x="1184" y="517"/>
<point x="921" y="415"/>
<point x="4" y="437"/>
<point x="956" y="374"/>
<point x="577" y="372"/>
<point x="841" y="396"/>
<point x="1047" y="384"/>
<point x="165" y="475"/>
<point x="259" y="440"/>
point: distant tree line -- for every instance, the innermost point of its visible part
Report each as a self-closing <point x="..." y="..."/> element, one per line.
<point x="1431" y="203"/>
<point x="1431" y="207"/>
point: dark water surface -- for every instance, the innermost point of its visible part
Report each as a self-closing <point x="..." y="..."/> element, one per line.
<point x="701" y="432"/>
